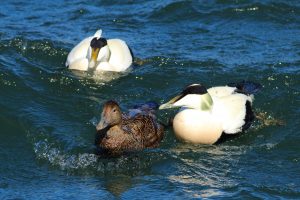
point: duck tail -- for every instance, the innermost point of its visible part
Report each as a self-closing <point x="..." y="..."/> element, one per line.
<point x="246" y="87"/>
<point x="132" y="55"/>
<point x="98" y="33"/>
<point x="147" y="108"/>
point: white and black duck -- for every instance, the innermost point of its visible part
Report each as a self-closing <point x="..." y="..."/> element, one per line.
<point x="209" y="116"/>
<point x="100" y="54"/>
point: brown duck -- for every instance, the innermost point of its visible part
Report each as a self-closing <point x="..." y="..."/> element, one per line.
<point x="117" y="132"/>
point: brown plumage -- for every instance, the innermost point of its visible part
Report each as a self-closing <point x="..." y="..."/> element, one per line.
<point x="117" y="132"/>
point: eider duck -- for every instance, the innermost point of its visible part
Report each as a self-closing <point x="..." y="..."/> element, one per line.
<point x="210" y="116"/>
<point x="100" y="54"/>
<point x="117" y="132"/>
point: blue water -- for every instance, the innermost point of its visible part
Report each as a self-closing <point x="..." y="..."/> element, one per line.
<point x="47" y="112"/>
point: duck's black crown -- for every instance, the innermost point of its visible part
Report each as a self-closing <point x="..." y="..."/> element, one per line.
<point x="194" y="89"/>
<point x="98" y="43"/>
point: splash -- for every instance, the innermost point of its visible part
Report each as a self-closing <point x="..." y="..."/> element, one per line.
<point x="85" y="162"/>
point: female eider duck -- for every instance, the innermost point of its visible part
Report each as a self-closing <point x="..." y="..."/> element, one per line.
<point x="96" y="53"/>
<point x="210" y="116"/>
<point x="117" y="132"/>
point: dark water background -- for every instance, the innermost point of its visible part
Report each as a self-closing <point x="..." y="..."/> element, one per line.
<point x="47" y="112"/>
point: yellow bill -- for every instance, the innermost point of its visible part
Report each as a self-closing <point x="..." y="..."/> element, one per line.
<point x="95" y="52"/>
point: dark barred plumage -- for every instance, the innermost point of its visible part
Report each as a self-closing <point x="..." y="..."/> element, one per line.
<point x="144" y="130"/>
<point x="130" y="133"/>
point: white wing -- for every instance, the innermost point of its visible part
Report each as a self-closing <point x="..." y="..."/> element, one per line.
<point x="231" y="111"/>
<point x="79" y="51"/>
<point x="221" y="91"/>
<point x="120" y="57"/>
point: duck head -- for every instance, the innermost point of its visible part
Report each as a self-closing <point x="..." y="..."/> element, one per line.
<point x="98" y="51"/>
<point x="111" y="115"/>
<point x="193" y="96"/>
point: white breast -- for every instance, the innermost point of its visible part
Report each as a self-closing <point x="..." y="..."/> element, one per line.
<point x="205" y="127"/>
<point x="196" y="126"/>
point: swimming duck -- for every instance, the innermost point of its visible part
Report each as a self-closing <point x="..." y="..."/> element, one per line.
<point x="117" y="132"/>
<point x="209" y="116"/>
<point x="100" y="54"/>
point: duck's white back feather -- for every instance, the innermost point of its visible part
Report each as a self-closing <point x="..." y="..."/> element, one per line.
<point x="120" y="56"/>
<point x="221" y="91"/>
<point x="231" y="111"/>
<point x="78" y="52"/>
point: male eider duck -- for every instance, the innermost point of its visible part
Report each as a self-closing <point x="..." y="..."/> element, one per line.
<point x="210" y="116"/>
<point x="117" y="132"/>
<point x="96" y="53"/>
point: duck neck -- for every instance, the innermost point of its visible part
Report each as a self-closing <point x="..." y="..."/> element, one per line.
<point x="118" y="124"/>
<point x="106" y="55"/>
<point x="206" y="102"/>
<point x="103" y="56"/>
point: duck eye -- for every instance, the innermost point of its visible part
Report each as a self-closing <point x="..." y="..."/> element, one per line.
<point x="114" y="110"/>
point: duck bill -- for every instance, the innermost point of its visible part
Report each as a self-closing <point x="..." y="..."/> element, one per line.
<point x="170" y="104"/>
<point x="94" y="57"/>
<point x="101" y="125"/>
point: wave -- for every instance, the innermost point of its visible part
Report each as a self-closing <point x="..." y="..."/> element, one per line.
<point x="182" y="10"/>
<point x="188" y="10"/>
<point x="46" y="59"/>
<point x="85" y="162"/>
<point x="37" y="50"/>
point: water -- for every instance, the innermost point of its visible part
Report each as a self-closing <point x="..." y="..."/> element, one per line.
<point x="47" y="112"/>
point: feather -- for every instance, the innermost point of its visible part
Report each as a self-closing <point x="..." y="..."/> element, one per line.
<point x="130" y="133"/>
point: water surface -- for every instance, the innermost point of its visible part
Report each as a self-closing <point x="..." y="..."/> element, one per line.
<point x="47" y="112"/>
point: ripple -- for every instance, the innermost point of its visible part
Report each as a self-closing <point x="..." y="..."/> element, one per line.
<point x="45" y="50"/>
<point x="78" y="160"/>
<point x="182" y="10"/>
<point x="180" y="42"/>
<point x="187" y="10"/>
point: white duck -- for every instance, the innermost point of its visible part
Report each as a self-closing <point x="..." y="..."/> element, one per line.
<point x="214" y="115"/>
<point x="96" y="53"/>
